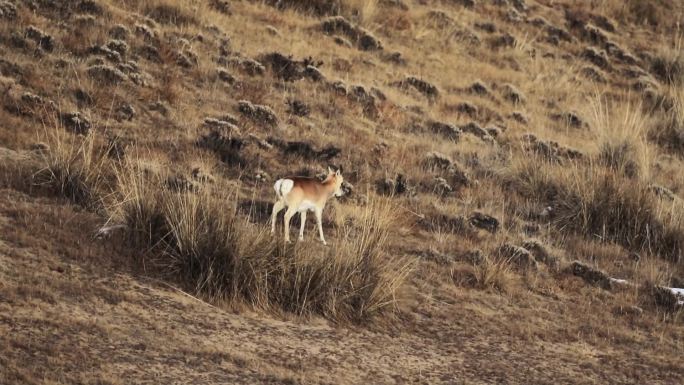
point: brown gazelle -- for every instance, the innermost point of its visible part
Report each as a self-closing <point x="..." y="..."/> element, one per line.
<point x="302" y="194"/>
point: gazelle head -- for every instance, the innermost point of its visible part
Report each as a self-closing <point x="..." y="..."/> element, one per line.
<point x="335" y="176"/>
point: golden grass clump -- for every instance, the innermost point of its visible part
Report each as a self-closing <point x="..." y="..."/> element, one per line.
<point x="595" y="202"/>
<point x="668" y="129"/>
<point x="622" y="139"/>
<point x="74" y="167"/>
<point x="201" y="239"/>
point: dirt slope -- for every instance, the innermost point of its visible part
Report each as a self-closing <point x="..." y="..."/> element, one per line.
<point x="73" y="310"/>
<point x="529" y="151"/>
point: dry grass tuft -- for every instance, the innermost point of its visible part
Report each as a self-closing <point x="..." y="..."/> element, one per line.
<point x="668" y="128"/>
<point x="597" y="203"/>
<point x="74" y="167"/>
<point x="200" y="239"/>
<point x="622" y="139"/>
<point x="169" y="12"/>
<point x="494" y="273"/>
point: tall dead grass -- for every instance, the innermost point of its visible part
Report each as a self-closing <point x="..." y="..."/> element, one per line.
<point x="597" y="203"/>
<point x="667" y="129"/>
<point x="622" y="137"/>
<point x="200" y="239"/>
<point x="75" y="167"/>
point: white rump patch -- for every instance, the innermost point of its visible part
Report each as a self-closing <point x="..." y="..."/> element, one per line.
<point x="283" y="187"/>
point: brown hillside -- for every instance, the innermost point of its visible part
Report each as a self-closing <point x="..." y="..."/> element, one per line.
<point x="513" y="208"/>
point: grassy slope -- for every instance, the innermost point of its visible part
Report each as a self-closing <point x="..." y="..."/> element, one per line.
<point x="89" y="312"/>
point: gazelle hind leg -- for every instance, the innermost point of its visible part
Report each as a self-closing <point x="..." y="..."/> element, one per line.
<point x="302" y="218"/>
<point x="288" y="215"/>
<point x="319" y="221"/>
<point x="277" y="207"/>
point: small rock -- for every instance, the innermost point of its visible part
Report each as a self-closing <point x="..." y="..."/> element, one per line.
<point x="440" y="186"/>
<point x="221" y="6"/>
<point x="519" y="5"/>
<point x="484" y="221"/>
<point x="512" y="94"/>
<point x="258" y="113"/>
<point x="339" y="40"/>
<point x="395" y="57"/>
<point x="594" y="35"/>
<point x="663" y="192"/>
<point x="555" y="34"/>
<point x="570" y="118"/>
<point x="160" y="107"/>
<point x="479" y="88"/>
<point x="513" y="16"/>
<point x="363" y="39"/>
<point x="447" y="130"/>
<point x="225" y="76"/>
<point x="663" y="297"/>
<point x="117" y="45"/>
<point x="125" y="112"/>
<point x="474" y="257"/>
<point x="591" y="275"/>
<point x="298" y="108"/>
<point x="313" y="73"/>
<point x="518" y="256"/>
<point x="486" y="26"/>
<point x="519" y="117"/>
<point x="8" y="10"/>
<point x="249" y="66"/>
<point x="465" y="3"/>
<point x="438" y="160"/>
<point x="435" y="256"/>
<point x="540" y="253"/>
<point x="106" y="74"/>
<point x="146" y="32"/>
<point x="224" y="126"/>
<point x="201" y="176"/>
<point x="120" y="32"/>
<point x="43" y="40"/>
<point x="503" y="40"/>
<point x="494" y="131"/>
<point x="421" y="85"/>
<point x="39" y="147"/>
<point x="180" y="183"/>
<point x="592" y="73"/>
<point x="467" y="108"/>
<point x="596" y="56"/>
<point x="474" y="129"/>
<point x="397" y="186"/>
<point x="76" y="122"/>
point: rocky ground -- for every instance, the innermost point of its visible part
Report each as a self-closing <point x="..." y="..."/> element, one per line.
<point x="530" y="154"/>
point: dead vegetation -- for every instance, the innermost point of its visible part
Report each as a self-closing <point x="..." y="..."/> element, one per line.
<point x="201" y="239"/>
<point x="510" y="163"/>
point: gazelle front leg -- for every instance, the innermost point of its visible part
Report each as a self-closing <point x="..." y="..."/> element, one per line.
<point x="319" y="220"/>
<point x="302" y="218"/>
<point x="279" y="205"/>
<point x="288" y="215"/>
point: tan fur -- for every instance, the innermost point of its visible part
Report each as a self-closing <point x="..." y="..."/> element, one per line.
<point x="307" y="194"/>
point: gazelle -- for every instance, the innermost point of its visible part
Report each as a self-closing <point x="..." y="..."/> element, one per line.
<point x="302" y="194"/>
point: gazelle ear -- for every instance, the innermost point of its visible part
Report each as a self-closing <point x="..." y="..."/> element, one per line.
<point x="338" y="172"/>
<point x="330" y="170"/>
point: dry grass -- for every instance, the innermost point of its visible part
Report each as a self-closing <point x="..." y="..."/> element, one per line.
<point x="597" y="204"/>
<point x="75" y="167"/>
<point x="667" y="128"/>
<point x="622" y="139"/>
<point x="201" y="239"/>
